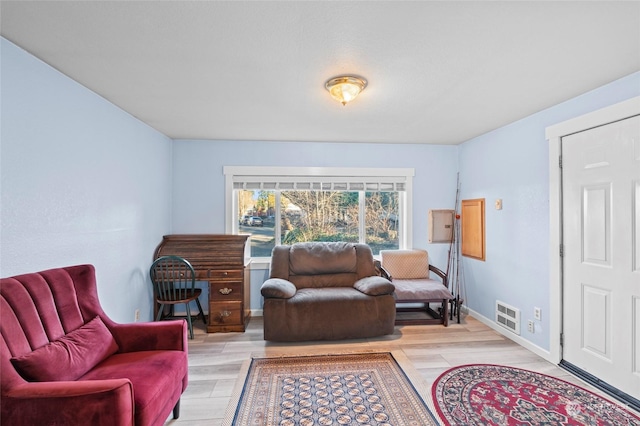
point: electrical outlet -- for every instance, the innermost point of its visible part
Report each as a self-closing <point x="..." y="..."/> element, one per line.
<point x="137" y="315"/>
<point x="531" y="326"/>
<point x="537" y="313"/>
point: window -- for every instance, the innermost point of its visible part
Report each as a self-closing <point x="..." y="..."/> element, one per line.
<point x="288" y="205"/>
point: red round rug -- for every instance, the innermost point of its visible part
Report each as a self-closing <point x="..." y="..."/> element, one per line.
<point x="483" y="394"/>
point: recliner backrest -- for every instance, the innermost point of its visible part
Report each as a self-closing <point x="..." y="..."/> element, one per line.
<point x="322" y="264"/>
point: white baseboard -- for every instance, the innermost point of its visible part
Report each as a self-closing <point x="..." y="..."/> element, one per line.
<point x="511" y="336"/>
<point x="486" y="321"/>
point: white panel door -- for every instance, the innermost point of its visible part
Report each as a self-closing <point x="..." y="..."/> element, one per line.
<point x="601" y="263"/>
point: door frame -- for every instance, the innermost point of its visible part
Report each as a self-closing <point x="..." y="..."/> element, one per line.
<point x="554" y="135"/>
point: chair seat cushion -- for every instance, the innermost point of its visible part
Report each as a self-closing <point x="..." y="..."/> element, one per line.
<point x="420" y="289"/>
<point x="153" y="375"/>
<point x="329" y="314"/>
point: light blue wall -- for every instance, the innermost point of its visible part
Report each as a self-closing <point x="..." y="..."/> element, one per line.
<point x="81" y="182"/>
<point x="198" y="199"/>
<point x="512" y="164"/>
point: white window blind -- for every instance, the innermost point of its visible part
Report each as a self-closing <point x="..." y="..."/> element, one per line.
<point x="318" y="183"/>
<point x="319" y="179"/>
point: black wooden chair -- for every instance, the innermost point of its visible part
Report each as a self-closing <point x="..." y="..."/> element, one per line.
<point x="174" y="282"/>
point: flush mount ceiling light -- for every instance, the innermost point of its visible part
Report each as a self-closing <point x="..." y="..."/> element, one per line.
<point x="345" y="88"/>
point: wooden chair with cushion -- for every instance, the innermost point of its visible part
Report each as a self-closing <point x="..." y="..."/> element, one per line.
<point x="410" y="273"/>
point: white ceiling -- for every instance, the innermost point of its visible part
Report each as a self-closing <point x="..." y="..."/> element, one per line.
<point x="439" y="71"/>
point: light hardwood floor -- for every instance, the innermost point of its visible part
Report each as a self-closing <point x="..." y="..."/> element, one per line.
<point x="215" y="359"/>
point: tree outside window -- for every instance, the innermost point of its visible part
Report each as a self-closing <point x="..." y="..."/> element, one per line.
<point x="319" y="216"/>
<point x="381" y="220"/>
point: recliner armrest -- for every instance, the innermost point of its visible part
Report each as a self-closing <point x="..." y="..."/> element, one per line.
<point x="277" y="288"/>
<point x="374" y="286"/>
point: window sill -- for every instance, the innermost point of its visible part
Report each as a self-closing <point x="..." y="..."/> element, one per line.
<point x="260" y="263"/>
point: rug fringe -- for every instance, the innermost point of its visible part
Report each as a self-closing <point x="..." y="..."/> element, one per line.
<point x="263" y="355"/>
<point x="238" y="387"/>
<point x="422" y="386"/>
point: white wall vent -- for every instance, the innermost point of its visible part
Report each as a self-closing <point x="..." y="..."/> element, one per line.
<point x="508" y="317"/>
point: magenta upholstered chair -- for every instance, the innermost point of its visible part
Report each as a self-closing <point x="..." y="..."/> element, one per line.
<point x="64" y="362"/>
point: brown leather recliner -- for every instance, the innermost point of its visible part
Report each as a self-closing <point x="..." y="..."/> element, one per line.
<point x="326" y="291"/>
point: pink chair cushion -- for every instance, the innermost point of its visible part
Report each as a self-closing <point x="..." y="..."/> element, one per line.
<point x="69" y="357"/>
<point x="409" y="290"/>
<point x="406" y="264"/>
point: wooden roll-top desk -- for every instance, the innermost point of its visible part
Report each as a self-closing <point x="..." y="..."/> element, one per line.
<point x="221" y="260"/>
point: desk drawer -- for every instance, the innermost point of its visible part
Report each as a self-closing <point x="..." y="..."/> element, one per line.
<point x="220" y="274"/>
<point x="225" y="291"/>
<point x="225" y="313"/>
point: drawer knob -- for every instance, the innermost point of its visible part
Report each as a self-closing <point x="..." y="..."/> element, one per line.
<point x="222" y="315"/>
<point x="225" y="291"/>
<point x="225" y="273"/>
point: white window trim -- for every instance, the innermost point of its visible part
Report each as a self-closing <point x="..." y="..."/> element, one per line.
<point x="405" y="174"/>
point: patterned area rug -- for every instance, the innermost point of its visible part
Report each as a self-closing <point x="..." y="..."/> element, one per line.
<point x="345" y="389"/>
<point x="499" y="395"/>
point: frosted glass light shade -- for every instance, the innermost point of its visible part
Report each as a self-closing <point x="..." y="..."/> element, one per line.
<point x="344" y="89"/>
